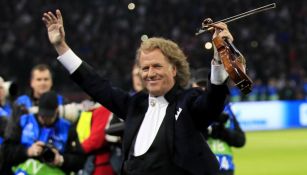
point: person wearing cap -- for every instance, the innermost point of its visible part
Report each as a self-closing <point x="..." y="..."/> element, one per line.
<point x="200" y="78"/>
<point x="223" y="134"/>
<point x="28" y="140"/>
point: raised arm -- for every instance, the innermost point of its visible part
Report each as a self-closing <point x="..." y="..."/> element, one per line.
<point x="83" y="74"/>
<point x="56" y="33"/>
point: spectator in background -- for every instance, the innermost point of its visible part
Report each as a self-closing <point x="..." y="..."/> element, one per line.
<point x="5" y="110"/>
<point x="137" y="83"/>
<point x="8" y="92"/>
<point x="287" y="92"/>
<point x="281" y="47"/>
<point x="43" y="140"/>
<point x="91" y="131"/>
<point x="222" y="134"/>
<point x="5" y="104"/>
<point x="272" y="89"/>
<point x="40" y="82"/>
<point x="100" y="133"/>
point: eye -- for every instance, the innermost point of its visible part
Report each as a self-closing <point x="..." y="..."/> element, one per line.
<point x="145" y="69"/>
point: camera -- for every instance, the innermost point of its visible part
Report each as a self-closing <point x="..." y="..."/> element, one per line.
<point x="47" y="154"/>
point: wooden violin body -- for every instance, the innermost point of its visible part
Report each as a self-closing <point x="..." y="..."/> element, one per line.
<point x="233" y="62"/>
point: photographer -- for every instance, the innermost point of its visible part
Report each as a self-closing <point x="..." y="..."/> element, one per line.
<point x="44" y="140"/>
<point x="223" y="134"/>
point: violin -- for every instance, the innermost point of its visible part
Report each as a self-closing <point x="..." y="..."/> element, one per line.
<point x="234" y="63"/>
<point x="232" y="59"/>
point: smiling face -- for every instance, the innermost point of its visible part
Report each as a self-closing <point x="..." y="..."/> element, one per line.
<point x="157" y="72"/>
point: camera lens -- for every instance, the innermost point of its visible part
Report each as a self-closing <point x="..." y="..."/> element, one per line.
<point x="48" y="155"/>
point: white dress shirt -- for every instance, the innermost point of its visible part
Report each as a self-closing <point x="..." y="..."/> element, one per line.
<point x="151" y="123"/>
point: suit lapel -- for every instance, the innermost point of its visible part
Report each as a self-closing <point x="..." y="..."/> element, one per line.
<point x="170" y="124"/>
<point x="171" y="97"/>
<point x="133" y="123"/>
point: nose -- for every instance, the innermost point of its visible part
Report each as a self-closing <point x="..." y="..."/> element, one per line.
<point x="151" y="72"/>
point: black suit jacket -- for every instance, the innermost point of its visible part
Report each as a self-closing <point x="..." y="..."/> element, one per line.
<point x="188" y="148"/>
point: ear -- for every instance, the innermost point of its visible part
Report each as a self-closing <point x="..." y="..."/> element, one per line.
<point x="31" y="83"/>
<point x="174" y="70"/>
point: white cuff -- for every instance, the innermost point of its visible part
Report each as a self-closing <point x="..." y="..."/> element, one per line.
<point x="218" y="74"/>
<point x="70" y="61"/>
<point x="216" y="54"/>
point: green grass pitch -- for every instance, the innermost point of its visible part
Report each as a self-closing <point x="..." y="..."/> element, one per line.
<point x="273" y="153"/>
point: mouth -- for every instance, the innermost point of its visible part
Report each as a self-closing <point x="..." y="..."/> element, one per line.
<point x="150" y="82"/>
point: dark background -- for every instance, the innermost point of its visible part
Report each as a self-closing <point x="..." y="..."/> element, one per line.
<point x="106" y="34"/>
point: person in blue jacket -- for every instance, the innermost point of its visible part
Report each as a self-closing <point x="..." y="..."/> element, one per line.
<point x="40" y="82"/>
<point x="44" y="137"/>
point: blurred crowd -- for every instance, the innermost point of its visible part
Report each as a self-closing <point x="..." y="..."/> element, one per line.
<point x="106" y="34"/>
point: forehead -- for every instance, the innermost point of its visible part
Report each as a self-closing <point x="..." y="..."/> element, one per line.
<point x="48" y="119"/>
<point x="41" y="73"/>
<point x="152" y="57"/>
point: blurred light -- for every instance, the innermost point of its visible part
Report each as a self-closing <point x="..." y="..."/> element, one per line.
<point x="144" y="37"/>
<point x="208" y="45"/>
<point x="131" y="6"/>
<point x="254" y="44"/>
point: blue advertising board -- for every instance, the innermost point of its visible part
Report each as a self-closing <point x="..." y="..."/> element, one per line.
<point x="270" y="115"/>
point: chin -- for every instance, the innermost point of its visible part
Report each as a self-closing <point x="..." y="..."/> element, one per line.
<point x="152" y="92"/>
<point x="155" y="93"/>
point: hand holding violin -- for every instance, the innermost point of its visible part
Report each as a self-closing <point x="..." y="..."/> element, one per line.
<point x="225" y="52"/>
<point x="220" y="30"/>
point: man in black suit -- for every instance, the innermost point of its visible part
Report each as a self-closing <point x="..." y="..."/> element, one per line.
<point x="163" y="123"/>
